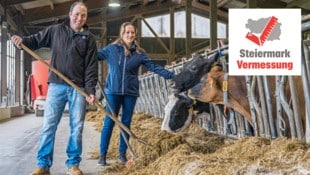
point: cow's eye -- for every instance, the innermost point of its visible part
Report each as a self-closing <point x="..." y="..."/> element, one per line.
<point x="193" y="68"/>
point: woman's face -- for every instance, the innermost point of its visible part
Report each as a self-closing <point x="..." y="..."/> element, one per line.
<point x="129" y="34"/>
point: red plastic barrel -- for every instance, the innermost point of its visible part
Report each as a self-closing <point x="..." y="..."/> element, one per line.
<point x="39" y="80"/>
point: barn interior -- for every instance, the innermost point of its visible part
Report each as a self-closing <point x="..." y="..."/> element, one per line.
<point x="26" y="17"/>
<point x="163" y="45"/>
<point x="190" y="152"/>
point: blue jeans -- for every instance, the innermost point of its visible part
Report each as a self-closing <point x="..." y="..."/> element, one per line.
<point x="127" y="102"/>
<point x="57" y="97"/>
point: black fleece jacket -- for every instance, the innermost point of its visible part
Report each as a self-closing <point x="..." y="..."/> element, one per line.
<point x="74" y="54"/>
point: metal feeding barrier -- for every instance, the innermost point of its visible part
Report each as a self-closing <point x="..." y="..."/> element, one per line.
<point x="270" y="104"/>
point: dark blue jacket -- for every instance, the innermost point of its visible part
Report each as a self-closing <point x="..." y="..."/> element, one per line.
<point x="122" y="78"/>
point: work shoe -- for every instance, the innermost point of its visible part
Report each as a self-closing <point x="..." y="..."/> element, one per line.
<point x="74" y="170"/>
<point x="102" y="160"/>
<point x="40" y="171"/>
<point x="122" y="158"/>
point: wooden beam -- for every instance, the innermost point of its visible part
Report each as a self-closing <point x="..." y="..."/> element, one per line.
<point x="198" y="45"/>
<point x="223" y="3"/>
<point x="145" y="2"/>
<point x="156" y="36"/>
<point x="305" y="17"/>
<point x="297" y="3"/>
<point x="207" y="8"/>
<point x="251" y="3"/>
<point x="14" y="2"/>
<point x="61" y="10"/>
<point x="46" y="13"/>
<point x="172" y="37"/>
<point x="3" y="65"/>
<point x="52" y="4"/>
<point x="213" y="24"/>
<point x="8" y="19"/>
<point x="149" y="9"/>
<point x="271" y="4"/>
<point x="20" y="9"/>
<point x="188" y="21"/>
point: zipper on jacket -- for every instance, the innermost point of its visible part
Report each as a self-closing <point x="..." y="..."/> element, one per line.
<point x="120" y="60"/>
<point x="123" y="78"/>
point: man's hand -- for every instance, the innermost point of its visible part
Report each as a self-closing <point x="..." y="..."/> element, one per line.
<point x="17" y="41"/>
<point x="90" y="99"/>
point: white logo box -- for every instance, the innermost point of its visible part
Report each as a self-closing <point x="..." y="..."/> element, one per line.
<point x="276" y="47"/>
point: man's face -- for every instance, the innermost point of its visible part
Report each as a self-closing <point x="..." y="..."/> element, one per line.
<point x="78" y="17"/>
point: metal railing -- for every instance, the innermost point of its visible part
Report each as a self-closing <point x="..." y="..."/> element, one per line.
<point x="272" y="101"/>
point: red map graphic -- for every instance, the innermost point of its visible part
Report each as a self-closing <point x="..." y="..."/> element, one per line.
<point x="260" y="40"/>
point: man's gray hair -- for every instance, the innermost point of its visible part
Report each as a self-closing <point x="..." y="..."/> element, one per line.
<point x="77" y="3"/>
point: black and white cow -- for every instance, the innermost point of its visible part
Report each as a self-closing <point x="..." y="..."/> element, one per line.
<point x="202" y="78"/>
<point x="178" y="115"/>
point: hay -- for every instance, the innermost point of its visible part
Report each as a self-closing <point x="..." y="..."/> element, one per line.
<point x="198" y="152"/>
<point x="96" y="117"/>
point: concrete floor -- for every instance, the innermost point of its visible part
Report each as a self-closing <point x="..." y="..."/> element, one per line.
<point x="19" y="143"/>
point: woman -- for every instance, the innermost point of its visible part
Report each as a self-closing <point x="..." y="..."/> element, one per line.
<point x="124" y="57"/>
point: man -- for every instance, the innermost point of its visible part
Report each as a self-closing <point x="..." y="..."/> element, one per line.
<point x="74" y="54"/>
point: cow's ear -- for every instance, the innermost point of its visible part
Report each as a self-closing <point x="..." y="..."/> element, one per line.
<point x="181" y="95"/>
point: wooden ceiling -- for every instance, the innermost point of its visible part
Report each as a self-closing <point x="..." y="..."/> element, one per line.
<point x="28" y="16"/>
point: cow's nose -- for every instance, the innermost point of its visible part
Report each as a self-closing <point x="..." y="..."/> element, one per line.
<point x="174" y="88"/>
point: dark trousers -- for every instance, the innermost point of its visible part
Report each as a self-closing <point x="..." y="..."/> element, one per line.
<point x="127" y="102"/>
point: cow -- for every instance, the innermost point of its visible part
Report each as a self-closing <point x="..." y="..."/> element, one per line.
<point x="207" y="87"/>
<point x="203" y="78"/>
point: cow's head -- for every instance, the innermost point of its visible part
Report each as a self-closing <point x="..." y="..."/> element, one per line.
<point x="193" y="71"/>
<point x="180" y="111"/>
<point x="177" y="113"/>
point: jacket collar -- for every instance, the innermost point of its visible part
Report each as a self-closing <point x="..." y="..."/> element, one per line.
<point x="132" y="48"/>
